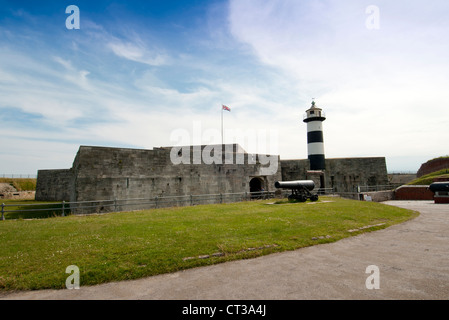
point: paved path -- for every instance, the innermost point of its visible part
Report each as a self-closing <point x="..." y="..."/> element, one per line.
<point x="413" y="260"/>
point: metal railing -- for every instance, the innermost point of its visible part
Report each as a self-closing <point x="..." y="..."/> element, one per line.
<point x="63" y="208"/>
<point x="402" y="172"/>
<point x="359" y="190"/>
<point x="116" y="205"/>
<point x="321" y="114"/>
<point x="18" y="175"/>
<point x="378" y="187"/>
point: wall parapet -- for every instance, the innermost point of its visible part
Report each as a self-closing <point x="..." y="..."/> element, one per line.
<point x="413" y="192"/>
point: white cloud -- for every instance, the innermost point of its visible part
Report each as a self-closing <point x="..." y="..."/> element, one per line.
<point x="26" y="156"/>
<point x="383" y="90"/>
<point x="135" y="51"/>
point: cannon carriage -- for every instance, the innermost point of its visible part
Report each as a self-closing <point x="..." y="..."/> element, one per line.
<point x="301" y="189"/>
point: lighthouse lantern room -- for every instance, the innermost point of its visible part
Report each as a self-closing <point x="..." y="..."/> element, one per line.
<point x="314" y="118"/>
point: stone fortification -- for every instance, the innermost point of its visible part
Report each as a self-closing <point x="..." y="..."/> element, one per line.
<point x="341" y="174"/>
<point x="102" y="173"/>
<point x="54" y="185"/>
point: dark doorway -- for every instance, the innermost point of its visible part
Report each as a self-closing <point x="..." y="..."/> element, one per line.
<point x="256" y="185"/>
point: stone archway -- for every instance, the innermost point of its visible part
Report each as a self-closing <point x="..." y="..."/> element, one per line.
<point x="256" y="185"/>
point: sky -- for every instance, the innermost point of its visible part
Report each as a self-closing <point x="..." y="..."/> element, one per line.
<point x="145" y="74"/>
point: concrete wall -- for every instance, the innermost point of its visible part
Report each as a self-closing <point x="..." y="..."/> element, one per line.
<point x="345" y="174"/>
<point x="294" y="169"/>
<point x="413" y="193"/>
<point x="379" y="196"/>
<point x="54" y="185"/>
<point x="102" y="173"/>
<point x="342" y="174"/>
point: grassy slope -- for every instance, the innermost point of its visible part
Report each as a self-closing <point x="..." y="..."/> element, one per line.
<point x="21" y="184"/>
<point x="442" y="157"/>
<point x="35" y="253"/>
<point x="428" y="178"/>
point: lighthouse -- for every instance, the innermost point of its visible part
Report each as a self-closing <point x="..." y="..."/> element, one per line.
<point x="314" y="118"/>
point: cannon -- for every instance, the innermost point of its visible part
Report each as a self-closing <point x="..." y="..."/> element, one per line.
<point x="441" y="191"/>
<point x="301" y="189"/>
<point x="439" y="186"/>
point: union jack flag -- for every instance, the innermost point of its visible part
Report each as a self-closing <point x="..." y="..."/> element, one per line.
<point x="226" y="108"/>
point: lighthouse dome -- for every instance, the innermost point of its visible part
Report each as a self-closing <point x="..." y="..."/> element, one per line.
<point x="314" y="114"/>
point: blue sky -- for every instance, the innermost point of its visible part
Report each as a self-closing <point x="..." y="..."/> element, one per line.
<point x="138" y="71"/>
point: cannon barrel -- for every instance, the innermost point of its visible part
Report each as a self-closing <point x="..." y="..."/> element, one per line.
<point x="439" y="186"/>
<point x="308" y="184"/>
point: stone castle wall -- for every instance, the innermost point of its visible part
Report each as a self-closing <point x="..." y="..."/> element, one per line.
<point x="54" y="185"/>
<point x="102" y="173"/>
<point x="345" y="174"/>
<point x="294" y="169"/>
<point x="342" y="174"/>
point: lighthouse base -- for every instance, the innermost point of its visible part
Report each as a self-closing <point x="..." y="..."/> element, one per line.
<point x="317" y="161"/>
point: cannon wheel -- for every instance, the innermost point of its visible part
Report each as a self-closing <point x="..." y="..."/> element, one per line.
<point x="298" y="197"/>
<point x="314" y="197"/>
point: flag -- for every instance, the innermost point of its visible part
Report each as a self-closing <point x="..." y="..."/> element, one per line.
<point x="226" y="108"/>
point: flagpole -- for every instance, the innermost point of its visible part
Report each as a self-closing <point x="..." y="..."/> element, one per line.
<point x="222" y="141"/>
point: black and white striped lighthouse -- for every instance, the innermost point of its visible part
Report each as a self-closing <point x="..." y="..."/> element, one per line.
<point x="314" y="118"/>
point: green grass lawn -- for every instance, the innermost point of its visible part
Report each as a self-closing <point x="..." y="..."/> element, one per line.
<point x="34" y="254"/>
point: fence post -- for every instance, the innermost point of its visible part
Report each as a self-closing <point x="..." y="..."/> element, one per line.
<point x="3" y="211"/>
<point x="63" y="208"/>
<point x="191" y="200"/>
<point x="115" y="204"/>
<point x="221" y="198"/>
<point x="156" y="201"/>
